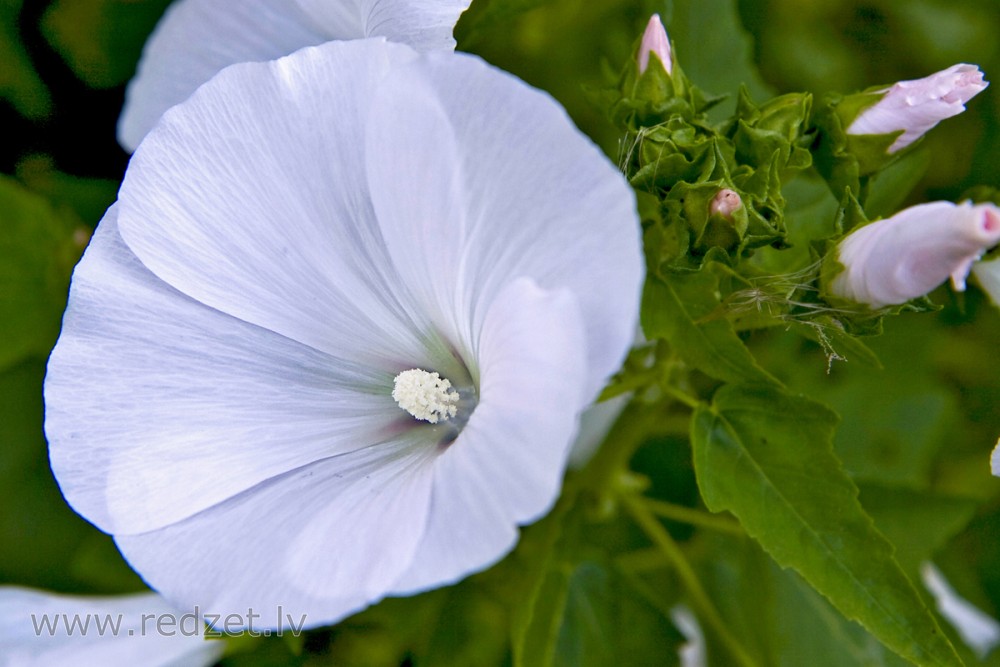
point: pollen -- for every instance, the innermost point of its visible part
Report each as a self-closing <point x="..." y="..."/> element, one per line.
<point x="426" y="396"/>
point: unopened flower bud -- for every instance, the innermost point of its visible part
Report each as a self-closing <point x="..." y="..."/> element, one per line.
<point x="891" y="261"/>
<point x="654" y="40"/>
<point x="917" y="106"/>
<point x="725" y="202"/>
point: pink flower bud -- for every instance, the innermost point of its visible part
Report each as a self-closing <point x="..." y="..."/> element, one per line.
<point x="917" y="106"/>
<point x="725" y="202"/>
<point x="891" y="261"/>
<point x="654" y="40"/>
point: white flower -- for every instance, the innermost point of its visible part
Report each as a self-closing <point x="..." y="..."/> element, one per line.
<point x="285" y="244"/>
<point x="917" y="106"/>
<point x="900" y="258"/>
<point x="654" y="40"/>
<point x="39" y="629"/>
<point x="197" y="38"/>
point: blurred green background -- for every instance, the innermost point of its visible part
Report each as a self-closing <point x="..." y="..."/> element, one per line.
<point x="919" y="429"/>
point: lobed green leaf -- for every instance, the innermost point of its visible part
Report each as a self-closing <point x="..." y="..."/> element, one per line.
<point x="766" y="456"/>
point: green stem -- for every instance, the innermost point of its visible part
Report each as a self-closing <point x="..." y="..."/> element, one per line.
<point x="681" y="396"/>
<point x="699" y="598"/>
<point x="691" y="516"/>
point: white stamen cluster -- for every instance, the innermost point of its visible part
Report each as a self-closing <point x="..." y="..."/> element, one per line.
<point x="424" y="395"/>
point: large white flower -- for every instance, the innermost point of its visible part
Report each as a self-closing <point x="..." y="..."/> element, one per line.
<point x="39" y="629"/>
<point x="285" y="244"/>
<point x="197" y="38"/>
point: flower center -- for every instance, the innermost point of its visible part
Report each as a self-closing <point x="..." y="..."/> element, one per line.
<point x="424" y="395"/>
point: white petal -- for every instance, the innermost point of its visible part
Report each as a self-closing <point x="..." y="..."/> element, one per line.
<point x="538" y="199"/>
<point x="979" y="630"/>
<point x="506" y="466"/>
<point x="159" y="406"/>
<point x="423" y="24"/>
<point x="995" y="460"/>
<point x="987" y="273"/>
<point x="250" y="198"/>
<point x="35" y="631"/>
<point x="692" y="653"/>
<point x="323" y="541"/>
<point x="197" y="38"/>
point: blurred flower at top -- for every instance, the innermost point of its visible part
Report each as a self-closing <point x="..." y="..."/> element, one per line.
<point x="655" y="41"/>
<point x="914" y="107"/>
<point x="40" y="629"/>
<point x="287" y="244"/>
<point x="889" y="262"/>
<point x="197" y="38"/>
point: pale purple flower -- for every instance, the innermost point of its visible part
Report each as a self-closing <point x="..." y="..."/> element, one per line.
<point x="197" y="38"/>
<point x="654" y="40"/>
<point x="917" y="106"/>
<point x="891" y="261"/>
<point x="287" y="243"/>
<point x="41" y="629"/>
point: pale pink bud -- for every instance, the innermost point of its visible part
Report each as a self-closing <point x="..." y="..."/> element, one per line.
<point x="917" y="106"/>
<point x="655" y="40"/>
<point x="725" y="202"/>
<point x="891" y="261"/>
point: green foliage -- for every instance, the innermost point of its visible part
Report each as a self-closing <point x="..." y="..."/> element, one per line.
<point x="767" y="456"/>
<point x="735" y="393"/>
<point x="678" y="310"/>
<point x="20" y="85"/>
<point x="38" y="247"/>
<point x="101" y="39"/>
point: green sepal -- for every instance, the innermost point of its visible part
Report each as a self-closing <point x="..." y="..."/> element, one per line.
<point x="779" y="125"/>
<point x="673" y="151"/>
<point x="848" y="160"/>
<point x="655" y="96"/>
<point x="692" y="203"/>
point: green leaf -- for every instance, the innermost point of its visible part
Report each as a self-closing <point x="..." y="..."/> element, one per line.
<point x="43" y="543"/>
<point x="917" y="523"/>
<point x="889" y="188"/>
<point x="101" y="39"/>
<point x="714" y="49"/>
<point x="87" y="198"/>
<point x="892" y="438"/>
<point x="588" y="615"/>
<point x="767" y="457"/>
<point x="791" y="625"/>
<point x="678" y="308"/>
<point x="19" y="83"/>
<point x="606" y="623"/>
<point x="38" y="249"/>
